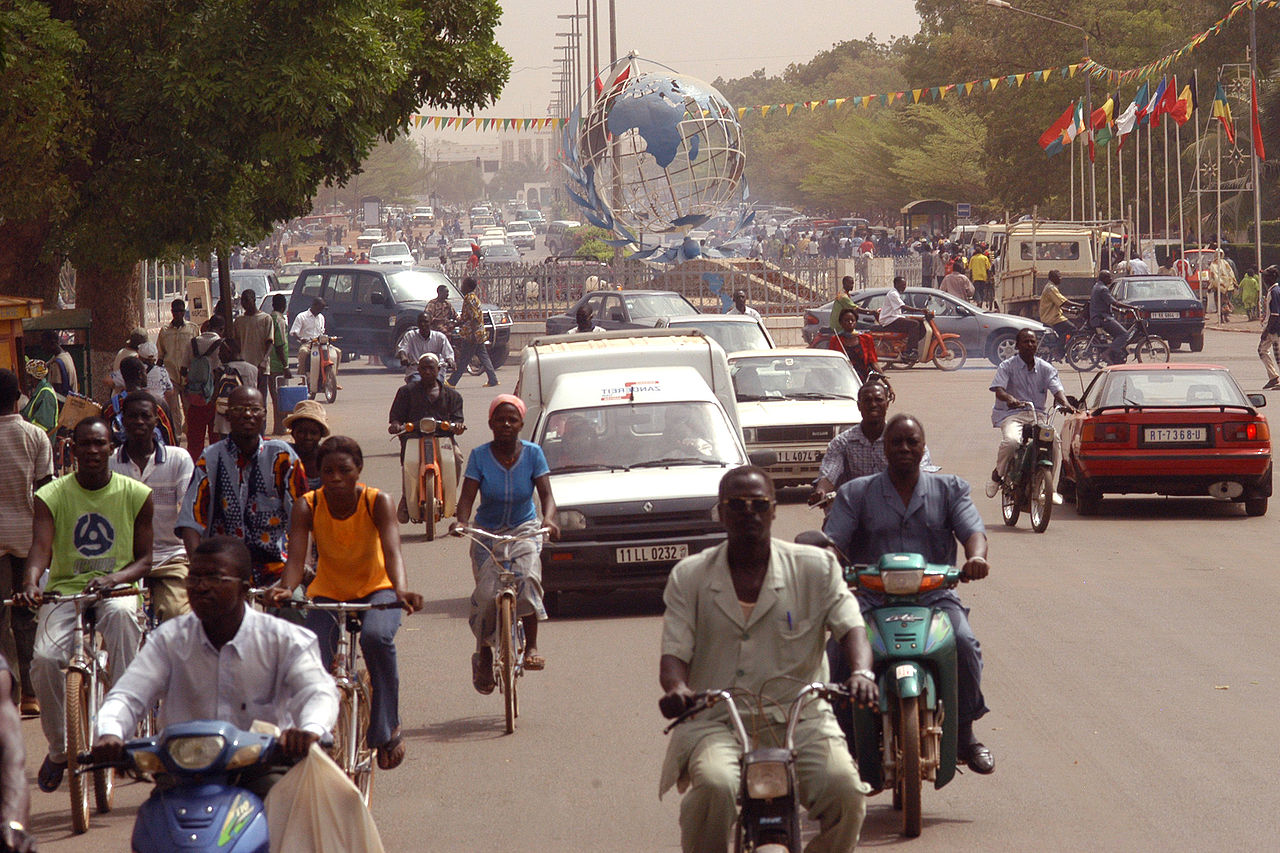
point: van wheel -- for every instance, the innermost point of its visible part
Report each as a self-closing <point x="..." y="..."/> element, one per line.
<point x="389" y="360"/>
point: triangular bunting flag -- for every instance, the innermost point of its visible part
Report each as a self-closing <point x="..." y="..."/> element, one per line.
<point x="915" y="95"/>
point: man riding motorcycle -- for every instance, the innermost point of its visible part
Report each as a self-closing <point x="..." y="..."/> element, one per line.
<point x="427" y="398"/>
<point x="1102" y="305"/>
<point x="892" y="316"/>
<point x="424" y="339"/>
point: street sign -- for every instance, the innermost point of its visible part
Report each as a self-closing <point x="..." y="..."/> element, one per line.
<point x="962" y="210"/>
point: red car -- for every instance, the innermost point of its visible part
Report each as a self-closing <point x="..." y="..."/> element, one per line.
<point x="1167" y="429"/>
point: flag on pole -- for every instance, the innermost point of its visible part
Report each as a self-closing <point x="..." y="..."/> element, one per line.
<point x="1184" y="105"/>
<point x="1125" y="123"/>
<point x="1153" y="103"/>
<point x="1165" y="103"/>
<point x="1138" y="107"/>
<point x="1222" y="112"/>
<point x="1259" y="149"/>
<point x="1100" y="123"/>
<point x="1077" y="126"/>
<point x="1052" y="140"/>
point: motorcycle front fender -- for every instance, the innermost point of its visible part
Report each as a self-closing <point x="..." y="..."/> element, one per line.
<point x="239" y="824"/>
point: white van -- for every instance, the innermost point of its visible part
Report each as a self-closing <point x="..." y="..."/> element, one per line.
<point x="638" y="428"/>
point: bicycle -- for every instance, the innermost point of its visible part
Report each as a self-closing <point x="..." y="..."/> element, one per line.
<point x="1087" y="352"/>
<point x="508" y="641"/>
<point x="85" y="690"/>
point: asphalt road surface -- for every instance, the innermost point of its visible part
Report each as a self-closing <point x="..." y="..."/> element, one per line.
<point x="1130" y="669"/>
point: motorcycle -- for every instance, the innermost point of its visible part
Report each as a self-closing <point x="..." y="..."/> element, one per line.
<point x="430" y="481"/>
<point x="321" y="371"/>
<point x="202" y="810"/>
<point x="1028" y="484"/>
<point x="914" y="734"/>
<point x="1052" y="346"/>
<point x="768" y="805"/>
<point x="943" y="349"/>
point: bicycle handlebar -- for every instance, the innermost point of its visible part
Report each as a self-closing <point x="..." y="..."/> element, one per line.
<point x="467" y="530"/>
<point x="59" y="598"/>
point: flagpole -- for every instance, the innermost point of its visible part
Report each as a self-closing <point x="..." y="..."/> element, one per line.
<point x="1137" y="181"/>
<point x="1071" y="180"/>
<point x="1165" y="128"/>
<point x="1120" y="179"/>
<point x="1218" y="238"/>
<point x="1182" y="228"/>
<point x="1199" y="183"/>
<point x="1108" y="153"/>
<point x="1151" y="188"/>
<point x="1253" y="143"/>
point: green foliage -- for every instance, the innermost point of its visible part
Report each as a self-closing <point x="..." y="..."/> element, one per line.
<point x="587" y="241"/>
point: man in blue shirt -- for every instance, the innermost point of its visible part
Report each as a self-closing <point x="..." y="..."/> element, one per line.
<point x="1022" y="379"/>
<point x="906" y="509"/>
<point x="1271" y="327"/>
<point x="1102" y="305"/>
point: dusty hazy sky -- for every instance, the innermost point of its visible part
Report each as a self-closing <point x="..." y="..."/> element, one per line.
<point x="704" y="38"/>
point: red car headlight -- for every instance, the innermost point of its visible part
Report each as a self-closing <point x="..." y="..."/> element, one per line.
<point x="1247" y="431"/>
<point x="1104" y="433"/>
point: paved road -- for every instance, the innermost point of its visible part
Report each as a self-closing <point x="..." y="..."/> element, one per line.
<point x="1129" y="669"/>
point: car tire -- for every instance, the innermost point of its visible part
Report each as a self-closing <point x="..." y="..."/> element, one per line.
<point x="1255" y="507"/>
<point x="499" y="354"/>
<point x="1003" y="345"/>
<point x="1196" y="342"/>
<point x="1088" y="499"/>
<point x="389" y="361"/>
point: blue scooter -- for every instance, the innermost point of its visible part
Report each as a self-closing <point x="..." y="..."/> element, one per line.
<point x="202" y="810"/>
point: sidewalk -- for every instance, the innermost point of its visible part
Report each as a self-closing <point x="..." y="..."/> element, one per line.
<point x="1243" y="324"/>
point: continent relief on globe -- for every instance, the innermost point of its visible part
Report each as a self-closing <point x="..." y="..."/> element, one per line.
<point x="657" y="120"/>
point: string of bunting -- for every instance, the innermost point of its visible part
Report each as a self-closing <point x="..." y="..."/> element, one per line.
<point x="476" y="123"/>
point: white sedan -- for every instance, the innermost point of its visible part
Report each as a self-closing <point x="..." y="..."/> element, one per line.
<point x="793" y="402"/>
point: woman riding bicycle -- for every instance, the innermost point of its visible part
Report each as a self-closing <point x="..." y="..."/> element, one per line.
<point x="505" y="473"/>
<point x="358" y="544"/>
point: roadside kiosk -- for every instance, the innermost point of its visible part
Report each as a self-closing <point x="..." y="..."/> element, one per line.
<point x="72" y="320"/>
<point x="14" y="310"/>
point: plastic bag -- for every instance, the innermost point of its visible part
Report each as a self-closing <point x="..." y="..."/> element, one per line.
<point x="316" y="809"/>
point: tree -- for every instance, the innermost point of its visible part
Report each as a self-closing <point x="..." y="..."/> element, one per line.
<point x="210" y="121"/>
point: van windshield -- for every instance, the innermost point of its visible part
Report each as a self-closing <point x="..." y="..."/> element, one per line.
<point x="419" y="285"/>
<point x="640" y="435"/>
<point x="386" y="250"/>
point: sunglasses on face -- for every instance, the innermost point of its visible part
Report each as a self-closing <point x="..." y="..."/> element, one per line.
<point x="206" y="581"/>
<point x="756" y="505"/>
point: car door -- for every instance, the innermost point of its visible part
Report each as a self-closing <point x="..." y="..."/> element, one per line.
<point x="952" y="317"/>
<point x="372" y="312"/>
<point x="339" y="312"/>
<point x="614" y="312"/>
<point x="871" y="303"/>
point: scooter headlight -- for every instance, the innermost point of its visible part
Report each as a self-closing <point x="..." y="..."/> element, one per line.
<point x="427" y="426"/>
<point x="902" y="581"/>
<point x="195" y="753"/>
<point x="571" y="519"/>
<point x="147" y="762"/>
<point x="767" y="780"/>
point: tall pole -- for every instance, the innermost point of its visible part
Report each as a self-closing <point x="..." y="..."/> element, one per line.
<point x="1088" y="112"/>
<point x="1120" y="178"/>
<point x="613" y="32"/>
<point x="1182" y="228"/>
<point x="1151" y="188"/>
<point x="1218" y="236"/>
<point x="1137" y="181"/>
<point x="595" y="43"/>
<point x="1071" y="181"/>
<point x="1107" y="154"/>
<point x="1199" y="182"/>
<point x="1253" y="145"/>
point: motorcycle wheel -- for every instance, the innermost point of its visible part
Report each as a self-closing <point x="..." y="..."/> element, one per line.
<point x="1041" y="507"/>
<point x="909" y="777"/>
<point x="949" y="355"/>
<point x="331" y="386"/>
<point x="1081" y="354"/>
<point x="427" y="503"/>
<point x="474" y="367"/>
<point x="1154" y="350"/>
<point x="1009" y="509"/>
<point x="77" y="721"/>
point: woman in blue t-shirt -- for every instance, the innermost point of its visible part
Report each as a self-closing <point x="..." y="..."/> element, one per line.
<point x="506" y="473"/>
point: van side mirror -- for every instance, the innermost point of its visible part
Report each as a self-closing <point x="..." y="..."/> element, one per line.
<point x="1258" y="400"/>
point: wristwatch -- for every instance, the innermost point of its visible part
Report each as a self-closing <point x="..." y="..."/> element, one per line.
<point x="865" y="673"/>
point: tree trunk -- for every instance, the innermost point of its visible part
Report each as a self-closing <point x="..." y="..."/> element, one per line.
<point x="25" y="269"/>
<point x="110" y="296"/>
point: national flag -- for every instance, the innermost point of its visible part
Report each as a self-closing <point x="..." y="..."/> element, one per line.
<point x="1165" y="103"/>
<point x="1077" y="126"/>
<point x="616" y="77"/>
<point x="1100" y="125"/>
<point x="1052" y="139"/>
<point x="1153" y="103"/>
<point x="1222" y="112"/>
<point x="1259" y="149"/>
<point x="1126" y="122"/>
<point x="1185" y="104"/>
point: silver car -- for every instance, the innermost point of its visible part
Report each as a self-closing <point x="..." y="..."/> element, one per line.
<point x="986" y="332"/>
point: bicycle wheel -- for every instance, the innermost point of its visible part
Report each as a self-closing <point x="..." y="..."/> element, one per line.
<point x="507" y="657"/>
<point x="104" y="780"/>
<point x="77" y="730"/>
<point x="1153" y="349"/>
<point x="365" y="763"/>
<point x="1081" y="354"/>
<point x="949" y="355"/>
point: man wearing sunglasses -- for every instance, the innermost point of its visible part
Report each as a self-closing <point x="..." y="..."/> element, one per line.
<point x="904" y="509"/>
<point x="245" y="486"/>
<point x="753" y="615"/>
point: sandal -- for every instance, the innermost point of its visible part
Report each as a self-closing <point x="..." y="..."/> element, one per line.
<point x="50" y="775"/>
<point x="535" y="662"/>
<point x="481" y="675"/>
<point x="391" y="753"/>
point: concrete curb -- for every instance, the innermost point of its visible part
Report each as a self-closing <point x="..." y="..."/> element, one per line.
<point x="1242" y="328"/>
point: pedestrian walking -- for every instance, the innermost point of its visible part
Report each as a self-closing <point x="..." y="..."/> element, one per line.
<point x="173" y="353"/>
<point x="1271" y="327"/>
<point x="473" y="336"/>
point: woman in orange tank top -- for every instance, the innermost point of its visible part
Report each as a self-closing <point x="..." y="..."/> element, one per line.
<point x="358" y="544"/>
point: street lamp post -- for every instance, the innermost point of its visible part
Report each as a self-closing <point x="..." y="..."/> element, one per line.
<point x="1088" y="88"/>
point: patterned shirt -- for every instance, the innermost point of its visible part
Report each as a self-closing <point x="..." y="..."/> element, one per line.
<point x="851" y="454"/>
<point x="246" y="496"/>
<point x="473" y="329"/>
<point x="441" y="315"/>
<point x="26" y="458"/>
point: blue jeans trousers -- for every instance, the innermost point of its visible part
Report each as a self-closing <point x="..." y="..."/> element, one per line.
<point x="467" y="351"/>
<point x="378" y="643"/>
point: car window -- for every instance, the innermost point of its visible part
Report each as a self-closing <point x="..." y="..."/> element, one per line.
<point x="367" y="285"/>
<point x="613" y="310"/>
<point x="638" y="434"/>
<point x="1163" y="288"/>
<point x="311" y="285"/>
<point x="1171" y="388"/>
<point x="650" y="305"/>
<point x="1052" y="250"/>
<point x="875" y="303"/>
<point x="341" y="288"/>
<point x="788" y="377"/>
<point x="732" y="337"/>
<point x="594" y="302"/>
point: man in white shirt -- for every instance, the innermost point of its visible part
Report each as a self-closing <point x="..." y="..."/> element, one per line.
<point x="306" y="326"/>
<point x="167" y="470"/>
<point x="892" y="316"/>
<point x="740" y="306"/>
<point x="420" y="341"/>
<point x="223" y="661"/>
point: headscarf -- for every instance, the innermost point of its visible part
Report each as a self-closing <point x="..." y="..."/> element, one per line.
<point x="37" y="369"/>
<point x="510" y="399"/>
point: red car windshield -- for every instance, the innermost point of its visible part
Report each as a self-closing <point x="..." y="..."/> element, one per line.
<point x="1167" y="388"/>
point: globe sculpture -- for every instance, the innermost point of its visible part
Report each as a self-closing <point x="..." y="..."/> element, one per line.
<point x="654" y="153"/>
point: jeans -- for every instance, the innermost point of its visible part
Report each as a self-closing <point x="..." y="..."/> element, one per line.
<point x="199" y="425"/>
<point x="1266" y="351"/>
<point x="468" y="350"/>
<point x="378" y="643"/>
<point x="525" y="562"/>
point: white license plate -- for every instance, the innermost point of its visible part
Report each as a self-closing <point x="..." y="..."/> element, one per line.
<point x="1165" y="315"/>
<point x="1173" y="435"/>
<point x="799" y="455"/>
<point x="651" y="553"/>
